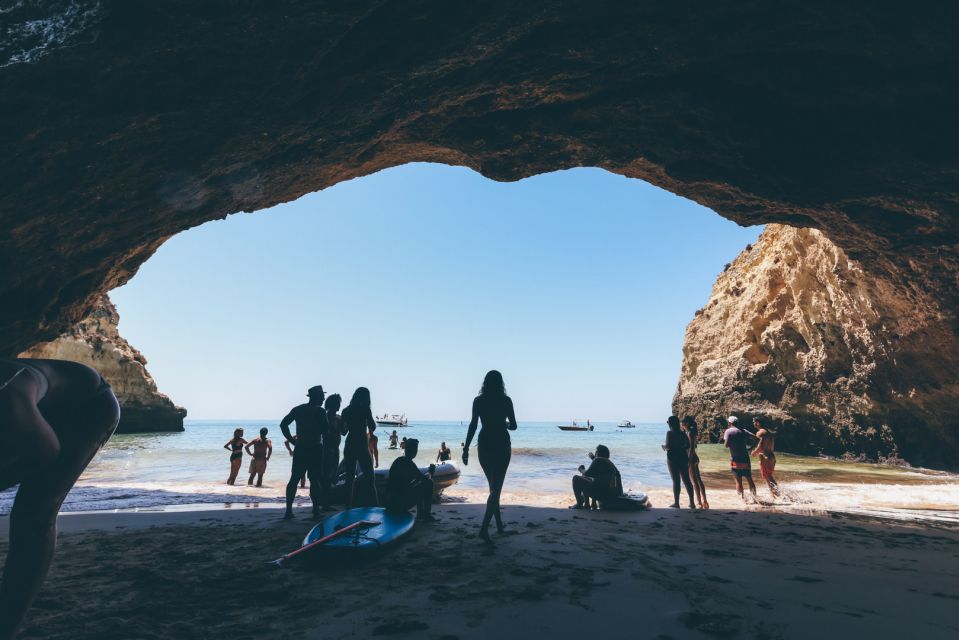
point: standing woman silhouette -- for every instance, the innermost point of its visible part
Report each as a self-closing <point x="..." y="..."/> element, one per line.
<point x="495" y="409"/>
<point x="357" y="421"/>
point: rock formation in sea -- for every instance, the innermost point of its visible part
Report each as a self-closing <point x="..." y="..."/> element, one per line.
<point x="127" y="122"/>
<point x="835" y="358"/>
<point x="95" y="341"/>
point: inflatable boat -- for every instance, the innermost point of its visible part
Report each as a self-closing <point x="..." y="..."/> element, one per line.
<point x="445" y="476"/>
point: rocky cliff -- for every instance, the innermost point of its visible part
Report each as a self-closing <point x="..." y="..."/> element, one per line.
<point x="840" y="360"/>
<point x="127" y="122"/>
<point x="96" y="342"/>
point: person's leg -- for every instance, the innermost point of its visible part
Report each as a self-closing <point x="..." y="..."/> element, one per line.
<point x="249" y="482"/>
<point x="675" y="477"/>
<point x="693" y="469"/>
<point x="684" y="472"/>
<point x="424" y="507"/>
<point x="752" y="485"/>
<point x="234" y="470"/>
<point x="700" y="486"/>
<point x="76" y="421"/>
<point x="739" y="482"/>
<point x="500" y="481"/>
<point x="369" y="479"/>
<point x="296" y="474"/>
<point x="490" y="465"/>
<point x="579" y="486"/>
<point x="349" y="461"/>
<point x="314" y="470"/>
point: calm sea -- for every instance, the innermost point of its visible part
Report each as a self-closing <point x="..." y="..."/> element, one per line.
<point x="148" y="470"/>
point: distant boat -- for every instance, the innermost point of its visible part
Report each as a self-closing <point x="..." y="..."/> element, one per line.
<point x="626" y="424"/>
<point x="576" y="427"/>
<point x="391" y="420"/>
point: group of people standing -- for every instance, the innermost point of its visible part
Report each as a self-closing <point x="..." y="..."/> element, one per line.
<point x="683" y="460"/>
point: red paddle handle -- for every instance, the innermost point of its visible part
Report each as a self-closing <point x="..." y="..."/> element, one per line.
<point x="335" y="534"/>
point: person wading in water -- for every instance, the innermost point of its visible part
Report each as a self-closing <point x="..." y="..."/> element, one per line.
<point x="357" y="423"/>
<point x="262" y="451"/>
<point x="311" y="424"/>
<point x="494" y="409"/>
<point x="54" y="417"/>
<point x="766" y="450"/>
<point x="235" y="446"/>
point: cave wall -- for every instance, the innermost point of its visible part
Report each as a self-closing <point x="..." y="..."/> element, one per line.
<point x="96" y="341"/>
<point x="835" y="358"/>
<point x="123" y="123"/>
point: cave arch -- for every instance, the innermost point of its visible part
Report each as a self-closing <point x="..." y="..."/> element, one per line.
<point x="139" y="121"/>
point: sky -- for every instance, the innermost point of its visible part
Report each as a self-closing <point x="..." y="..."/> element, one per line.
<point x="415" y="281"/>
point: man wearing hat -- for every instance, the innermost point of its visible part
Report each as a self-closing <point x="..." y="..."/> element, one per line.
<point x="311" y="424"/>
<point x="736" y="440"/>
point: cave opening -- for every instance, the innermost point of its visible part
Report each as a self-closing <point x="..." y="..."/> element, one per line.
<point x="415" y="280"/>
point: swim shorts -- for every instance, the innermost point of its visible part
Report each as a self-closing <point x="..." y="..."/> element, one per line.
<point x="741" y="468"/>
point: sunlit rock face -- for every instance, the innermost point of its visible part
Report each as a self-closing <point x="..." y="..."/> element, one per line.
<point x="124" y="123"/>
<point x="94" y="341"/>
<point x="841" y="361"/>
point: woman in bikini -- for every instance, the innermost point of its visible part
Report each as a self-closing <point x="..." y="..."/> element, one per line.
<point x="677" y="458"/>
<point x="357" y="422"/>
<point x="494" y="409"/>
<point x="692" y="432"/>
<point x="54" y="417"/>
<point x="235" y="446"/>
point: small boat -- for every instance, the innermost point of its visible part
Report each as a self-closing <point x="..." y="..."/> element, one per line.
<point x="445" y="476"/>
<point x="391" y="420"/>
<point x="575" y="426"/>
<point x="626" y="424"/>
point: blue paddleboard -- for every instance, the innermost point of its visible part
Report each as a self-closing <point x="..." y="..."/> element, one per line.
<point x="391" y="528"/>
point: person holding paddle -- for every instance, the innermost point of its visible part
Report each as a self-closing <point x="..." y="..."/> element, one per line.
<point x="495" y="409"/>
<point x="311" y="423"/>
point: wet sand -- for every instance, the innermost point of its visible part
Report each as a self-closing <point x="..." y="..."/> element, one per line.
<point x="754" y="572"/>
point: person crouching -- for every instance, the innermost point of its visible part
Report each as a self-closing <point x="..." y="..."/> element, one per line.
<point x="600" y="482"/>
<point x="409" y="487"/>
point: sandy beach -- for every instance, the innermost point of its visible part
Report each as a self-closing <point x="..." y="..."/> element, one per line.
<point x="753" y="572"/>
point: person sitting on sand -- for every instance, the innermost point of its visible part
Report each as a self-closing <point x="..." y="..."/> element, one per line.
<point x="311" y="424"/>
<point x="374" y="449"/>
<point x="445" y="454"/>
<point x="736" y="440"/>
<point x="692" y="432"/>
<point x="262" y="451"/>
<point x="409" y="487"/>
<point x="331" y="447"/>
<point x="289" y="447"/>
<point x="766" y="450"/>
<point x="394" y="439"/>
<point x="600" y="481"/>
<point x="677" y="459"/>
<point x="54" y="417"/>
<point x="235" y="446"/>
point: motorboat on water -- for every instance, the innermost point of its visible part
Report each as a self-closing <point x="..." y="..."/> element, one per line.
<point x="626" y="424"/>
<point x="576" y="426"/>
<point x="391" y="420"/>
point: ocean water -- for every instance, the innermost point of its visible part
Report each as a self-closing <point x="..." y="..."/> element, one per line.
<point x="150" y="470"/>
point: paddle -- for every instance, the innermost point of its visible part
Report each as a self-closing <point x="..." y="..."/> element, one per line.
<point x="356" y="525"/>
